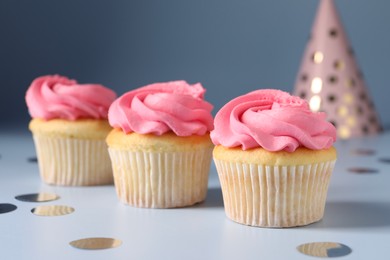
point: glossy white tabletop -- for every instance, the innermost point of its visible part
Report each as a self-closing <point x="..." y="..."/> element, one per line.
<point x="357" y="214"/>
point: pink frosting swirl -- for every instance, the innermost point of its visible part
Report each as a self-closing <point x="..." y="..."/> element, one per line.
<point x="55" y="96"/>
<point x="162" y="107"/>
<point x="273" y="120"/>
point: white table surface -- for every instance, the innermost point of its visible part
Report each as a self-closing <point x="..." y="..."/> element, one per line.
<point x="357" y="214"/>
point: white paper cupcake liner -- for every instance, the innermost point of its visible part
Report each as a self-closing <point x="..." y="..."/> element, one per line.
<point x="161" y="179"/>
<point x="73" y="162"/>
<point x="274" y="196"/>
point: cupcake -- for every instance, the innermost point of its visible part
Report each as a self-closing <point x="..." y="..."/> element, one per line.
<point x="69" y="126"/>
<point x="160" y="146"/>
<point x="274" y="159"/>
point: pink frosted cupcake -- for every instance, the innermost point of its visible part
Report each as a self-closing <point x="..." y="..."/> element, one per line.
<point x="69" y="128"/>
<point x="160" y="148"/>
<point x="274" y="159"/>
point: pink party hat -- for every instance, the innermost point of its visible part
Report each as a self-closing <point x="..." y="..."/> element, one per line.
<point x="330" y="79"/>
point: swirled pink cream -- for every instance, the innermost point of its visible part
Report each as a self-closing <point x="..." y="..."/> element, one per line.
<point x="55" y="96"/>
<point x="162" y="107"/>
<point x="273" y="120"/>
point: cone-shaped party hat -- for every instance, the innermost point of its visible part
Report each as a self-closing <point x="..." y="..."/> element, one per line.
<point x="330" y="79"/>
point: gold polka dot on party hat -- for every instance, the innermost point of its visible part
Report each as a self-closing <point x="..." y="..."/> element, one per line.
<point x="344" y="132"/>
<point x="316" y="85"/>
<point x="339" y="65"/>
<point x="318" y="57"/>
<point x="348" y="98"/>
<point x="351" y="121"/>
<point x="342" y="111"/>
<point x="315" y="103"/>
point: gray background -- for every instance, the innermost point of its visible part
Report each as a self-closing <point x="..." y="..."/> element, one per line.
<point x="231" y="47"/>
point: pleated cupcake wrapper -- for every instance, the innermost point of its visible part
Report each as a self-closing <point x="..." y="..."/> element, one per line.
<point x="73" y="162"/>
<point x="161" y="179"/>
<point x="274" y="196"/>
